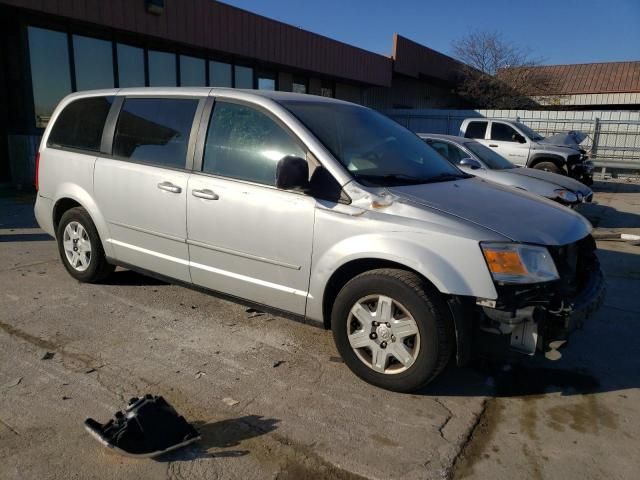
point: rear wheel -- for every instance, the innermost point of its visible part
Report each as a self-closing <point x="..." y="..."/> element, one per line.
<point x="549" y="167"/>
<point x="80" y="247"/>
<point x="392" y="329"/>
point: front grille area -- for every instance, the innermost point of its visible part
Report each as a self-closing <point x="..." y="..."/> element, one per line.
<point x="575" y="263"/>
<point x="573" y="159"/>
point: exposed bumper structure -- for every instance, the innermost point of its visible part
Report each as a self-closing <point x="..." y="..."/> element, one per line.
<point x="528" y="318"/>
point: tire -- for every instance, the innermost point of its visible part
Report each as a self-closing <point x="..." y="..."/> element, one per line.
<point x="549" y="167"/>
<point x="412" y="298"/>
<point x="77" y="230"/>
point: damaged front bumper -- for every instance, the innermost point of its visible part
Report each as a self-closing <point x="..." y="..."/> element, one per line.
<point x="533" y="318"/>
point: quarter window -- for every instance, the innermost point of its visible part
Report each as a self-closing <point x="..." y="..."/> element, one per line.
<point x="246" y="144"/>
<point x="80" y="124"/>
<point x="476" y="130"/>
<point x="503" y="132"/>
<point x="155" y="130"/>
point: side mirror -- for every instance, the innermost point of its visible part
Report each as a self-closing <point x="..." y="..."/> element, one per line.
<point x="472" y="163"/>
<point x="519" y="138"/>
<point x="292" y="173"/>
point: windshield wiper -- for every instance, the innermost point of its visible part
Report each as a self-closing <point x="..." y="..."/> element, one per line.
<point x="446" y="176"/>
<point x="393" y="177"/>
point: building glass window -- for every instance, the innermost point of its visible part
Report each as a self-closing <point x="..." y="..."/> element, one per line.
<point x="220" y="74"/>
<point x="155" y="130"/>
<point x="130" y="66"/>
<point x="326" y="89"/>
<point x="299" y="85"/>
<point x="50" y="72"/>
<point x="162" y="69"/>
<point x="243" y="77"/>
<point x="246" y="144"/>
<point x="266" y="81"/>
<point x="93" y="63"/>
<point x="192" y="72"/>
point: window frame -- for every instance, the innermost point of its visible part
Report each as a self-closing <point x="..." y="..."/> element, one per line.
<point x="108" y="134"/>
<point x="202" y="138"/>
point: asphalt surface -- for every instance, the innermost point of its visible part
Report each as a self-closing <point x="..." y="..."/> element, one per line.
<point x="273" y="400"/>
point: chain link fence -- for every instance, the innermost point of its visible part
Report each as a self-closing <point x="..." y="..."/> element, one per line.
<point x="613" y="138"/>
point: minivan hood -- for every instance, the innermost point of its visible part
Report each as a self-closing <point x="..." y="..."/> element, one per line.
<point x="561" y="181"/>
<point x="517" y="215"/>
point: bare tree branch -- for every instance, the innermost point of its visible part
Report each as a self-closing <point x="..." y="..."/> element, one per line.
<point x="499" y="74"/>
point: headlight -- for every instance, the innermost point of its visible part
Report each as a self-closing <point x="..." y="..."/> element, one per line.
<point x="566" y="195"/>
<point x="519" y="263"/>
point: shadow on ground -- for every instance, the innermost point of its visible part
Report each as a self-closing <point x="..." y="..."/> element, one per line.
<point x="131" y="279"/>
<point x="223" y="435"/>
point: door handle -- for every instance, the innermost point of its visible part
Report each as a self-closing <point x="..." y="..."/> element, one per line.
<point x="169" y="187"/>
<point x="493" y="145"/>
<point x="206" y="194"/>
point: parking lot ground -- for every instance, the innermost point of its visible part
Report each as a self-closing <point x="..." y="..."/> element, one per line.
<point x="272" y="398"/>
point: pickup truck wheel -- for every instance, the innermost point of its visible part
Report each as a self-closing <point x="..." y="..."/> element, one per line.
<point x="549" y="167"/>
<point x="80" y="247"/>
<point x="392" y="329"/>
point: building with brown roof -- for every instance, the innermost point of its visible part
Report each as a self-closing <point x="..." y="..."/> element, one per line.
<point x="54" y="47"/>
<point x="610" y="85"/>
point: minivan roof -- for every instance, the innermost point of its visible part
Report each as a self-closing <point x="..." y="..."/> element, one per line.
<point x="206" y="91"/>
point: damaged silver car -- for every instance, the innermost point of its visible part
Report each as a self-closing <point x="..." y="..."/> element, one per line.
<point x="321" y="209"/>
<point x="476" y="159"/>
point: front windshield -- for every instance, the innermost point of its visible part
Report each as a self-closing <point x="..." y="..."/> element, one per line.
<point x="532" y="134"/>
<point x="489" y="157"/>
<point x="375" y="149"/>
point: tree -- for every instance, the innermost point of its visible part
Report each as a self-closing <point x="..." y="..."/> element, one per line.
<point x="498" y="74"/>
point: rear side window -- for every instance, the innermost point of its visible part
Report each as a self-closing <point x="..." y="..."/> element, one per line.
<point x="80" y="124"/>
<point x="246" y="144"/>
<point x="476" y="130"/>
<point x="155" y="130"/>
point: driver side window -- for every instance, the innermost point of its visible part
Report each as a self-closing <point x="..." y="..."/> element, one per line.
<point x="246" y="144"/>
<point x="503" y="132"/>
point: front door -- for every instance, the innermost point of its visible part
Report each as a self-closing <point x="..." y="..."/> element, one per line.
<point x="509" y="143"/>
<point x="246" y="237"/>
<point x="141" y="189"/>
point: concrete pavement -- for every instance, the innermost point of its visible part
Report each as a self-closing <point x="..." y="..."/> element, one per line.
<point x="271" y="396"/>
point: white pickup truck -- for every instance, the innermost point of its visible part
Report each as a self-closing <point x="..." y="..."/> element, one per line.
<point x="523" y="146"/>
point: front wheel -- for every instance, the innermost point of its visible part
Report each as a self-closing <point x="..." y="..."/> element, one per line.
<point x="80" y="247"/>
<point x="392" y="329"/>
<point x="549" y="167"/>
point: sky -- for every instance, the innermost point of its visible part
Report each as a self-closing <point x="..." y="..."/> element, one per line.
<point x="560" y="31"/>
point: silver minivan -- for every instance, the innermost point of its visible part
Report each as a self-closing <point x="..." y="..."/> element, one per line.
<point x="325" y="210"/>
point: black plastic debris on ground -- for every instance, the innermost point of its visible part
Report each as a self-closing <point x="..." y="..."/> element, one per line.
<point x="147" y="428"/>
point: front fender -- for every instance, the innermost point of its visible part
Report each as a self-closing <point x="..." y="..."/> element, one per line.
<point x="80" y="195"/>
<point x="558" y="159"/>
<point x="454" y="265"/>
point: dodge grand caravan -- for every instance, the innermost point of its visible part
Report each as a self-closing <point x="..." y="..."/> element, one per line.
<point x="322" y="209"/>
